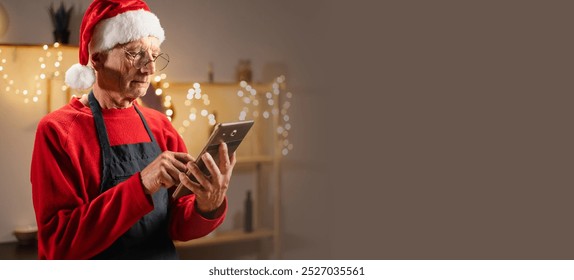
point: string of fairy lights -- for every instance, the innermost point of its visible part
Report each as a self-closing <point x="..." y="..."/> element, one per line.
<point x="197" y="104"/>
<point x="49" y="67"/>
<point x="248" y="95"/>
<point x="271" y="104"/>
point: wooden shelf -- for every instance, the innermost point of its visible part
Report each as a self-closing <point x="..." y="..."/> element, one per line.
<point x="226" y="237"/>
<point x="249" y="160"/>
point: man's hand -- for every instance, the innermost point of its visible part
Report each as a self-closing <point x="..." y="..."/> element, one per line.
<point x="211" y="191"/>
<point x="164" y="171"/>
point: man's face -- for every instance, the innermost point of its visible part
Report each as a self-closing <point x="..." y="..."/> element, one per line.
<point x="118" y="73"/>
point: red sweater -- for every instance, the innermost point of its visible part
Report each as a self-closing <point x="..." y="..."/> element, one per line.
<point x="74" y="220"/>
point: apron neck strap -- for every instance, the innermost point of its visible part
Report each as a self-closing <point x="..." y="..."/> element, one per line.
<point x="151" y="137"/>
<point x="100" y="125"/>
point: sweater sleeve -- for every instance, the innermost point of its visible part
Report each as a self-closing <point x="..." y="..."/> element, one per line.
<point x="186" y="222"/>
<point x="70" y="225"/>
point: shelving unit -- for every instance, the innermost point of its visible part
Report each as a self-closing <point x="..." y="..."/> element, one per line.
<point x="244" y="161"/>
<point x="259" y="154"/>
<point x="227" y="237"/>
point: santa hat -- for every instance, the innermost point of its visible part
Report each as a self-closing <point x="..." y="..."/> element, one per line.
<point x="106" y="24"/>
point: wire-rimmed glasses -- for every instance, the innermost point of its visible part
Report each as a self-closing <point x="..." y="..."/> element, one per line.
<point x="141" y="59"/>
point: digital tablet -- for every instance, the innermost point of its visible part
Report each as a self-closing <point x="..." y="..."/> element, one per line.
<point x="232" y="134"/>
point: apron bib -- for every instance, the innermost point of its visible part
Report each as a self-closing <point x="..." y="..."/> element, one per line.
<point x="148" y="238"/>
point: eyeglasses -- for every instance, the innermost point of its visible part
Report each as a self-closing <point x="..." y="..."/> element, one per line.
<point x="141" y="59"/>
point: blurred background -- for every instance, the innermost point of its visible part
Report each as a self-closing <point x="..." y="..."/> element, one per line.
<point x="419" y="129"/>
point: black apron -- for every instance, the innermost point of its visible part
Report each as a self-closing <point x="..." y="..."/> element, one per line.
<point x="148" y="238"/>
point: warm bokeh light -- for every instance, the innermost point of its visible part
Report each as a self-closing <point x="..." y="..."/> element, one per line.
<point x="47" y="69"/>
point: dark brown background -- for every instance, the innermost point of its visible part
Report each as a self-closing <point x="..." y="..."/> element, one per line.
<point x="447" y="128"/>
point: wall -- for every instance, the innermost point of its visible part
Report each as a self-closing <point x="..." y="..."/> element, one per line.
<point x="449" y="123"/>
<point x="272" y="34"/>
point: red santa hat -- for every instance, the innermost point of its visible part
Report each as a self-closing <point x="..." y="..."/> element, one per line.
<point x="106" y="24"/>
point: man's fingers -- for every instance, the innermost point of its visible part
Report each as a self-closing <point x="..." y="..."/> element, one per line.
<point x="174" y="174"/>
<point x="211" y="166"/>
<point x="223" y="158"/>
<point x="199" y="176"/>
<point x="233" y="160"/>
<point x="183" y="157"/>
<point x="168" y="180"/>
<point x="188" y="183"/>
<point x="180" y="166"/>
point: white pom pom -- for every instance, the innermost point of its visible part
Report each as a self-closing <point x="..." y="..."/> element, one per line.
<point x="80" y="76"/>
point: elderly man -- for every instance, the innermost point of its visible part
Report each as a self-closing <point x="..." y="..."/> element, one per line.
<point x="102" y="166"/>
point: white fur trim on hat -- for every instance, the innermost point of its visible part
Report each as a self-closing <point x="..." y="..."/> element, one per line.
<point x="124" y="28"/>
<point x="80" y="76"/>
